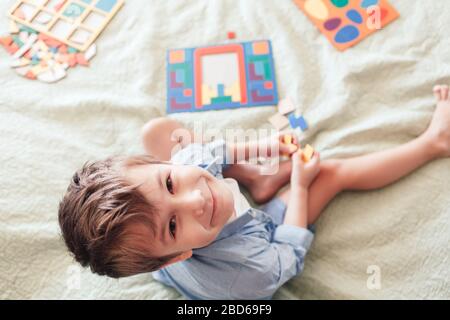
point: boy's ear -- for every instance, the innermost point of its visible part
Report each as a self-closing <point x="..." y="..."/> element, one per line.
<point x="183" y="256"/>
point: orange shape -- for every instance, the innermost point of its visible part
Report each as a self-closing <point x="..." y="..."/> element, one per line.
<point x="13" y="48"/>
<point x="63" y="49"/>
<point x="6" y="41"/>
<point x="187" y="92"/>
<point x="268" y="85"/>
<point x="30" y="75"/>
<point x="72" y="60"/>
<point x="231" y="35"/>
<point x="176" y="56"/>
<point x="81" y="60"/>
<point x="261" y="47"/>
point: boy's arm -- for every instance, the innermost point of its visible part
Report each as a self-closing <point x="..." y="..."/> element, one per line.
<point x="303" y="174"/>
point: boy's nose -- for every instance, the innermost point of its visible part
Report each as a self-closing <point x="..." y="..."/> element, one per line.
<point x="197" y="202"/>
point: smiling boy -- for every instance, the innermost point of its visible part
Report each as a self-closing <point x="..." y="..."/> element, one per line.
<point x="188" y="223"/>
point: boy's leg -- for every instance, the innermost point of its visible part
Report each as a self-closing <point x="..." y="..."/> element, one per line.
<point x="382" y="168"/>
<point x="161" y="135"/>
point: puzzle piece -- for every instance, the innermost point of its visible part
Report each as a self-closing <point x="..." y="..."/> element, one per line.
<point x="347" y="22"/>
<point x="297" y="122"/>
<point x="279" y="121"/>
<point x="308" y="153"/>
<point x="76" y="23"/>
<point x="286" y="106"/>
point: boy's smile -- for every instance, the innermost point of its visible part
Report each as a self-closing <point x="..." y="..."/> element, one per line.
<point x="192" y="206"/>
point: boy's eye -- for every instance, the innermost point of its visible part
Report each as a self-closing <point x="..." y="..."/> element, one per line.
<point x="172" y="226"/>
<point x="169" y="184"/>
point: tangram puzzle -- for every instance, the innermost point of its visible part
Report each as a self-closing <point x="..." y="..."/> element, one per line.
<point x="76" y="23"/>
<point x="347" y="22"/>
<point x="221" y="77"/>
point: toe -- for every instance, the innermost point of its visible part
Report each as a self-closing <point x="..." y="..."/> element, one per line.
<point x="444" y="94"/>
<point x="437" y="92"/>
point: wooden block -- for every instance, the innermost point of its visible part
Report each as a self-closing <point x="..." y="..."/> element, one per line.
<point x="30" y="75"/>
<point x="286" y="106"/>
<point x="6" y="41"/>
<point x="81" y="60"/>
<point x="13" y="28"/>
<point x="90" y="52"/>
<point x="308" y="152"/>
<point x="63" y="49"/>
<point x="13" y="48"/>
<point x="27" y="46"/>
<point x="231" y="35"/>
<point x="72" y="60"/>
<point x="279" y="121"/>
<point x="17" y="63"/>
<point x="22" y="71"/>
<point x="288" y="139"/>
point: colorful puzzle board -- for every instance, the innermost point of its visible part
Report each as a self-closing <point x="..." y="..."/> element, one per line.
<point x="347" y="22"/>
<point x="76" y="23"/>
<point x="221" y="77"/>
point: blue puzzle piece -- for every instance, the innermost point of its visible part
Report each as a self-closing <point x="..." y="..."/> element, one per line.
<point x="221" y="90"/>
<point x="180" y="76"/>
<point x="259" y="66"/>
<point x="297" y="122"/>
<point x="180" y="97"/>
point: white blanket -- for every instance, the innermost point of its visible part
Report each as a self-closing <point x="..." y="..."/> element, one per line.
<point x="372" y="97"/>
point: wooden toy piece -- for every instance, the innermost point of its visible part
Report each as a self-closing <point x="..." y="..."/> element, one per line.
<point x="81" y="60"/>
<point x="30" y="75"/>
<point x="231" y="35"/>
<point x="347" y="22"/>
<point x="285" y="106"/>
<point x="227" y="76"/>
<point x="27" y="46"/>
<point x="73" y="22"/>
<point x="308" y="153"/>
<point x="17" y="63"/>
<point x="54" y="74"/>
<point x="279" y="121"/>
<point x="297" y="122"/>
<point x="90" y="52"/>
<point x="288" y="139"/>
<point x="6" y="41"/>
<point x="13" y="28"/>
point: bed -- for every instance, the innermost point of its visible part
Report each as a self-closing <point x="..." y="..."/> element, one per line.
<point x="374" y="96"/>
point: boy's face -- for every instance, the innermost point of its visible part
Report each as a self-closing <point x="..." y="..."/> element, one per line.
<point x="192" y="205"/>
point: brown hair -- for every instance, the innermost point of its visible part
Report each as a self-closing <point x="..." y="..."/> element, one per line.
<point x="95" y="215"/>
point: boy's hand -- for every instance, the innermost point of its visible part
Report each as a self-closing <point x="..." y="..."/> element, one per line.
<point x="303" y="174"/>
<point x="288" y="143"/>
<point x="285" y="142"/>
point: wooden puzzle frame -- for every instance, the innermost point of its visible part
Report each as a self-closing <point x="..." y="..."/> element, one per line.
<point x="250" y="83"/>
<point x="322" y="12"/>
<point x="58" y="15"/>
<point x="201" y="52"/>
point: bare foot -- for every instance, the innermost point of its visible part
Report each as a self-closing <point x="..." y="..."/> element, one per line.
<point x="265" y="187"/>
<point x="262" y="189"/>
<point x="439" y="129"/>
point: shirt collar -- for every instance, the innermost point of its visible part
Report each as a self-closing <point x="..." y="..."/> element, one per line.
<point x="241" y="221"/>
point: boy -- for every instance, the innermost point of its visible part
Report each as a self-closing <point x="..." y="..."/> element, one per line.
<point x="197" y="232"/>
